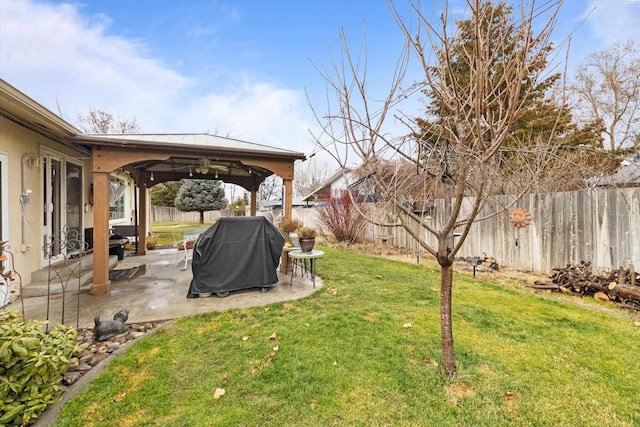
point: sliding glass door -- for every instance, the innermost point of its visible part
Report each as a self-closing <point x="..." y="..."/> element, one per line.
<point x="62" y="204"/>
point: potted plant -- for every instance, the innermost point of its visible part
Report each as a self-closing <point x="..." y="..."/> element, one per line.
<point x="289" y="227"/>
<point x="151" y="243"/>
<point x="307" y="237"/>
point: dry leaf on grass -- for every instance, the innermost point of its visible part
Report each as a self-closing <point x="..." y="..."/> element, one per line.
<point x="431" y="362"/>
<point x="225" y="376"/>
<point x="637" y="322"/>
<point x="313" y="404"/>
<point x="119" y="397"/>
<point x="407" y="325"/>
<point x="508" y="395"/>
<point x="276" y="348"/>
<point x="218" y="393"/>
<point x="273" y="336"/>
<point x="246" y="338"/>
<point x="254" y="370"/>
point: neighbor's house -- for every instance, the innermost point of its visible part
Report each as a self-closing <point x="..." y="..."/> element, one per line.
<point x="340" y="180"/>
<point x="55" y="179"/>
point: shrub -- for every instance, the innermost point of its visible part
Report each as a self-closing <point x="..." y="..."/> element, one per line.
<point x="31" y="364"/>
<point x="344" y="217"/>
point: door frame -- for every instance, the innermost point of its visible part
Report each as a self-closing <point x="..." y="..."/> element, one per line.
<point x="48" y="156"/>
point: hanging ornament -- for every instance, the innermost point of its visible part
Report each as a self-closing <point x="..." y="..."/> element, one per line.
<point x="520" y="217"/>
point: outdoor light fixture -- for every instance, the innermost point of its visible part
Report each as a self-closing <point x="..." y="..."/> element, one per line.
<point x="190" y="171"/>
<point x="216" y="173"/>
<point x="151" y="178"/>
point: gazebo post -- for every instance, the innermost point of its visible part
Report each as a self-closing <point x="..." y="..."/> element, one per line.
<point x="254" y="197"/>
<point x="101" y="283"/>
<point x="143" y="224"/>
<point x="288" y="197"/>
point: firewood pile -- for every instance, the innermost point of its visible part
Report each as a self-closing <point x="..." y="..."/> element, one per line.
<point x="621" y="286"/>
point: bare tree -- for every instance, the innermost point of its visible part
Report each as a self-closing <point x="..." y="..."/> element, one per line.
<point x="607" y="92"/>
<point x="501" y="59"/>
<point x="270" y="189"/>
<point x="310" y="175"/>
<point x="99" y="121"/>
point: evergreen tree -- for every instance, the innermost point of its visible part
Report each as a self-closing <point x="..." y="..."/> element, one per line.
<point x="542" y="115"/>
<point x="164" y="194"/>
<point x="200" y="195"/>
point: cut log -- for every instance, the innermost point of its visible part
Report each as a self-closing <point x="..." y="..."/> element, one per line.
<point x="616" y="285"/>
<point x="538" y="284"/>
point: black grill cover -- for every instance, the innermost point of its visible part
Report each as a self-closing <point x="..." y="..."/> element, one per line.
<point x="236" y="253"/>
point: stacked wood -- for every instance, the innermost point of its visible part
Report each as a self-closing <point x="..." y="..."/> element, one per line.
<point x="621" y="286"/>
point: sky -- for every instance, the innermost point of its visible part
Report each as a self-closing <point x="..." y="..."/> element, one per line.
<point x="247" y="69"/>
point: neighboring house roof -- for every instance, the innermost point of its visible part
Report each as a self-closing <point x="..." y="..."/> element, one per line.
<point x="340" y="174"/>
<point x="628" y="175"/>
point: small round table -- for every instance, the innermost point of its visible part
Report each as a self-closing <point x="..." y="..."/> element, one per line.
<point x="312" y="256"/>
<point x="286" y="251"/>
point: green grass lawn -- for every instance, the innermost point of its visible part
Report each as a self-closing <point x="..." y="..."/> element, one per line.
<point x="162" y="230"/>
<point x="347" y="356"/>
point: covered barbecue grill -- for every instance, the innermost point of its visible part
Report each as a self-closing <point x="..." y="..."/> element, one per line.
<point x="236" y="253"/>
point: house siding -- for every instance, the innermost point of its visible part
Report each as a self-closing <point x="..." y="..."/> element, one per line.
<point x="16" y="141"/>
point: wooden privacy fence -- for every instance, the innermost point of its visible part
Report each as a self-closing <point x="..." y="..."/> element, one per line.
<point x="600" y="226"/>
<point x="165" y="213"/>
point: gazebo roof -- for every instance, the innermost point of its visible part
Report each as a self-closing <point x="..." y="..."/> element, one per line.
<point x="185" y="140"/>
<point x="194" y="155"/>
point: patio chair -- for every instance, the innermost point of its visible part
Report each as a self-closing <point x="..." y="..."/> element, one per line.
<point x="184" y="246"/>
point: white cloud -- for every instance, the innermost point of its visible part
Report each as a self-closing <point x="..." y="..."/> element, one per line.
<point x="58" y="56"/>
<point x="614" y="20"/>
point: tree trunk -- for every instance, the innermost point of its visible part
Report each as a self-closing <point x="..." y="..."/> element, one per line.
<point x="201" y="217"/>
<point x="446" y="325"/>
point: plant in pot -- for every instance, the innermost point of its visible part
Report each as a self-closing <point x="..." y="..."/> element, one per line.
<point x="289" y="227"/>
<point x="151" y="243"/>
<point x="307" y="237"/>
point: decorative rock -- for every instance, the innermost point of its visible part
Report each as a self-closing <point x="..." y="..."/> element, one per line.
<point x="86" y="357"/>
<point x="92" y="353"/>
<point x="84" y="367"/>
<point x="71" y="377"/>
<point x="97" y="358"/>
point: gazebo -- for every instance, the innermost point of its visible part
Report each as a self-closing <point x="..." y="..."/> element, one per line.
<point x="155" y="158"/>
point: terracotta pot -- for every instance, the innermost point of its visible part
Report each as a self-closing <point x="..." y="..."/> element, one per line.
<point x="306" y="245"/>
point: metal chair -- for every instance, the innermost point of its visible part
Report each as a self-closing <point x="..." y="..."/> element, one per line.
<point x="184" y="247"/>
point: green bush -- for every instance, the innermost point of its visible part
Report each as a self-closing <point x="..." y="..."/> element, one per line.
<point x="31" y="365"/>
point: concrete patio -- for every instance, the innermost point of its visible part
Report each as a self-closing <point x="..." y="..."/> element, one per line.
<point x="157" y="292"/>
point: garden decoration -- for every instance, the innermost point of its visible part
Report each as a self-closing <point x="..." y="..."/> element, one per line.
<point x="519" y="217"/>
<point x="107" y="329"/>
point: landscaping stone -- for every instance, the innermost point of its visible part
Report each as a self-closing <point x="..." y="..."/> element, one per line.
<point x="92" y="353"/>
